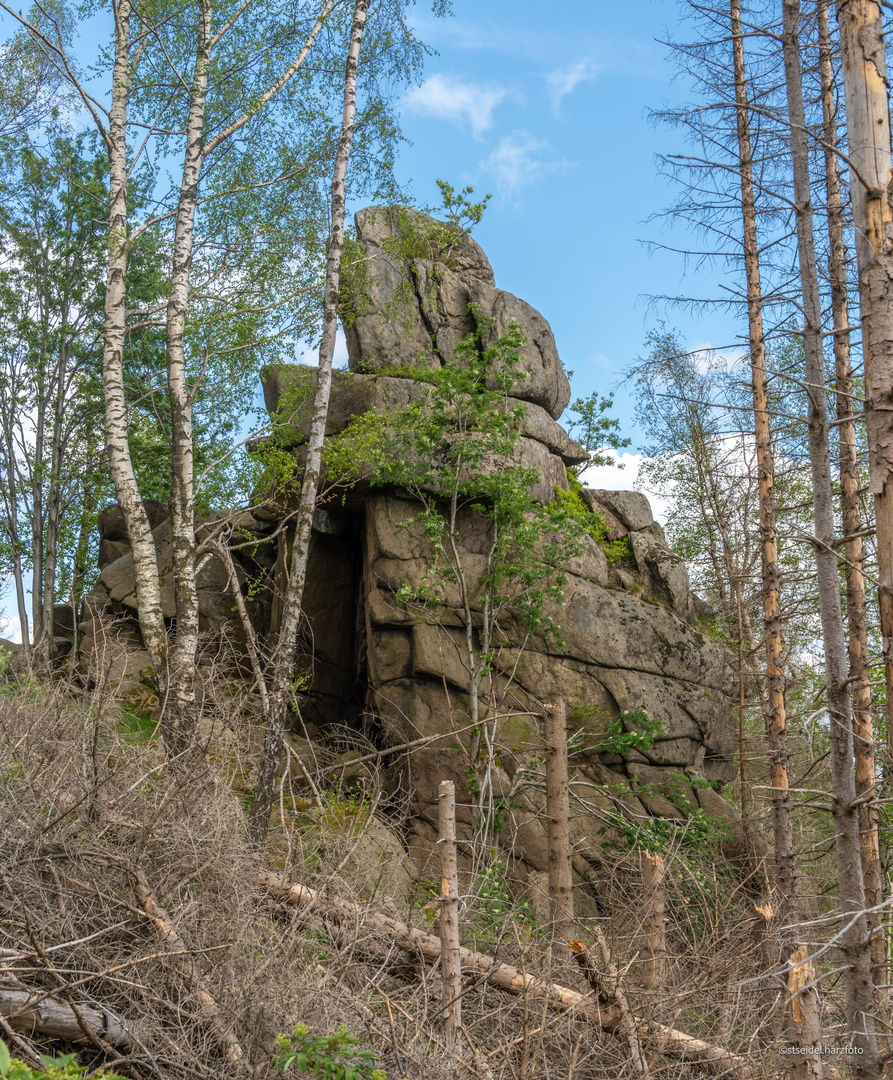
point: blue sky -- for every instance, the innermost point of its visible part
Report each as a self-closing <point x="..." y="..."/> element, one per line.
<point x="547" y="108"/>
<point x="551" y="116"/>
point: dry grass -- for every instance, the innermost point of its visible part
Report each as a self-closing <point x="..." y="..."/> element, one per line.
<point x="84" y="806"/>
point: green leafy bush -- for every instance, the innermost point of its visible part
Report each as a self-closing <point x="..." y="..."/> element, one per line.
<point x="54" y="1068"/>
<point x="333" y="1057"/>
<point x="591" y="521"/>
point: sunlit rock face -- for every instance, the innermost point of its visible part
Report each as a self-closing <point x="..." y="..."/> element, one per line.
<point x="632" y="644"/>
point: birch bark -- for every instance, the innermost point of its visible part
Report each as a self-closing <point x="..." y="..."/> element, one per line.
<point x="180" y="682"/>
<point x="145" y="563"/>
<point x="856" y="941"/>
<point x="280" y="678"/>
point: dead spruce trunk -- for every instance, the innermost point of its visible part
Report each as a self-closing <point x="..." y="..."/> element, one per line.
<point x="871" y="172"/>
<point x="850" y="486"/>
<point x="856" y="942"/>
<point x="654" y="924"/>
<point x="776" y="714"/>
<point x="280" y="678"/>
<point x="695" y="1052"/>
<point x="804" y="1017"/>
<point x="31" y="1013"/>
<point x="561" y="884"/>
<point x="450" y="964"/>
<point x="609" y="986"/>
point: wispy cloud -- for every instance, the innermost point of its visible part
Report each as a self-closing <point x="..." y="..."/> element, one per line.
<point x="447" y="97"/>
<point x="623" y="475"/>
<point x="309" y="354"/>
<point x="520" y="159"/>
<point x="563" y="81"/>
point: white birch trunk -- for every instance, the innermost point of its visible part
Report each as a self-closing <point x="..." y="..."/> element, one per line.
<point x="145" y="562"/>
<point x="180" y="683"/>
<point x="280" y="678"/>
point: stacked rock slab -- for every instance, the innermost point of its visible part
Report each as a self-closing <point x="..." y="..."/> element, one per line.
<point x="630" y="642"/>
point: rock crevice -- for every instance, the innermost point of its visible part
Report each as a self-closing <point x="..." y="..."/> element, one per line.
<point x="633" y="654"/>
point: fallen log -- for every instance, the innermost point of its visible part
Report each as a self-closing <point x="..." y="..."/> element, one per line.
<point x="610" y="987"/>
<point x="212" y="1015"/>
<point x="509" y="979"/>
<point x="29" y="1012"/>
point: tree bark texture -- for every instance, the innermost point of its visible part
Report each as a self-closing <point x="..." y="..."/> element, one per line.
<point x="280" y="677"/>
<point x="179" y="688"/>
<point x="776" y="713"/>
<point x="856" y="940"/>
<point x="561" y="884"/>
<point x="211" y="1014"/>
<point x="695" y="1052"/>
<point x="654" y="922"/>
<point x="29" y="1012"/>
<point x="871" y="172"/>
<point x="850" y="485"/>
<point x="609" y="986"/>
<point x="804" y="1016"/>
<point x="450" y="964"/>
<point x="145" y="562"/>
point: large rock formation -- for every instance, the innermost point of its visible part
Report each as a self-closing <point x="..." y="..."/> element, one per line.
<point x="632" y="648"/>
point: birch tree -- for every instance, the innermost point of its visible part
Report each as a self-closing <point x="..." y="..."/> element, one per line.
<point x="279" y="699"/>
<point x="229" y="92"/>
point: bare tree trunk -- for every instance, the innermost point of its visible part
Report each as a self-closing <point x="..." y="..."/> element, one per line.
<point x="859" y="988"/>
<point x="871" y="172"/>
<point x="450" y="964"/>
<point x="213" y="1016"/>
<point x="654" y="900"/>
<point x="609" y="986"/>
<point x="695" y="1052"/>
<point x="561" y="882"/>
<point x="51" y="544"/>
<point x="180" y="683"/>
<point x="280" y="678"/>
<point x="139" y="533"/>
<point x="746" y="794"/>
<point x="12" y="496"/>
<point x="850" y="485"/>
<point x="804" y="1016"/>
<point x="59" y="1020"/>
<point x="776" y="716"/>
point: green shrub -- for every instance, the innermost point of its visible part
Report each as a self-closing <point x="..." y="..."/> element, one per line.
<point x="334" y="1057"/>
<point x="54" y="1068"/>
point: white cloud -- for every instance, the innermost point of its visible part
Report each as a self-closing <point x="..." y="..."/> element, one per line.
<point x="519" y="160"/>
<point x="563" y="81"/>
<point x="708" y="356"/>
<point x="10" y="628"/>
<point x="309" y="354"/>
<point x="623" y="475"/>
<point x="447" y="97"/>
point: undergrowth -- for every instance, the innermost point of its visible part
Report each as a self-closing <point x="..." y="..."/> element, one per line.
<point x="87" y="809"/>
